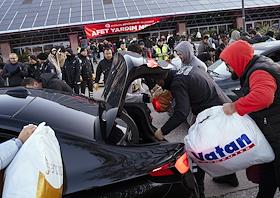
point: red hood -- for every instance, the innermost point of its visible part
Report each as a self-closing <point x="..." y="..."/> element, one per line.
<point x="238" y="55"/>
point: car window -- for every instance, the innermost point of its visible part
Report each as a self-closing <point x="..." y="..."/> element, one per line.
<point x="115" y="82"/>
<point x="258" y="52"/>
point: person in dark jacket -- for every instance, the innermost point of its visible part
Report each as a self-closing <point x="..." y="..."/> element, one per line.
<point x="86" y="72"/>
<point x="34" y="69"/>
<point x="208" y="57"/>
<point x="171" y="42"/>
<point x="193" y="91"/>
<point x="204" y="45"/>
<point x="2" y="81"/>
<point x="104" y="67"/>
<point x="46" y="66"/>
<point x="47" y="81"/>
<point x="260" y="82"/>
<point x="71" y="70"/>
<point x="14" y="71"/>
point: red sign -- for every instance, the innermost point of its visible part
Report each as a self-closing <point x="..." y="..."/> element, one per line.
<point x="102" y="29"/>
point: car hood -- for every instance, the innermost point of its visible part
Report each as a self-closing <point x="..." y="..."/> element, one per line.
<point x="91" y="165"/>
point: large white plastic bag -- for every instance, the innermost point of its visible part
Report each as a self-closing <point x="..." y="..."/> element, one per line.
<point x="222" y="144"/>
<point x="36" y="171"/>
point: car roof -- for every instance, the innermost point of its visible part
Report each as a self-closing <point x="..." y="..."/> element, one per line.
<point x="69" y="114"/>
<point x="264" y="46"/>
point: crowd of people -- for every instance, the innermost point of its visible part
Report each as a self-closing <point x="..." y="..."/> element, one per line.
<point x="78" y="70"/>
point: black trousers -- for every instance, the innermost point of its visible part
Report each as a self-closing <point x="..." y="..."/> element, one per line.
<point x="270" y="172"/>
<point x="199" y="176"/>
<point x="76" y="88"/>
<point x="87" y="83"/>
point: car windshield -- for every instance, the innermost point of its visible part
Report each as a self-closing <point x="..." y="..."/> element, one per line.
<point x="258" y="52"/>
<point x="116" y="82"/>
<point x="219" y="69"/>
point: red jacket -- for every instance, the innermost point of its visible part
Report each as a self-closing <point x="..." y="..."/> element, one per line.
<point x="262" y="84"/>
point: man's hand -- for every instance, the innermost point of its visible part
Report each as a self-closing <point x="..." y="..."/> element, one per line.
<point x="156" y="91"/>
<point x="96" y="86"/>
<point x="158" y="135"/>
<point x="26" y="132"/>
<point x="229" y="108"/>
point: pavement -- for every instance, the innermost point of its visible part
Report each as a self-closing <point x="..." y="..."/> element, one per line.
<point x="246" y="189"/>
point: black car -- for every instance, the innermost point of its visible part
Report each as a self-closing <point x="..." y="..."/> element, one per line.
<point x="100" y="143"/>
<point x="218" y="70"/>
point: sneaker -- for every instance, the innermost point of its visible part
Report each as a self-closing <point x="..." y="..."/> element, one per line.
<point x="227" y="179"/>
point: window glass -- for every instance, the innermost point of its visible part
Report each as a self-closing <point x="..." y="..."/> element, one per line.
<point x="116" y="82"/>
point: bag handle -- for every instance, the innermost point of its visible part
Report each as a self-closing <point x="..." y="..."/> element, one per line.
<point x="208" y="114"/>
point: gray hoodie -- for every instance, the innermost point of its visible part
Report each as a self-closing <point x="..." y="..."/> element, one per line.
<point x="235" y="35"/>
<point x="189" y="59"/>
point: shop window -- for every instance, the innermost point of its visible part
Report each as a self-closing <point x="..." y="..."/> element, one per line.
<point x="27" y="50"/>
<point x="17" y="51"/>
<point x="258" y="24"/>
<point x="37" y="50"/>
<point x="47" y="48"/>
<point x="204" y="30"/>
<point x="230" y="27"/>
<point x="266" y="23"/>
<point x="213" y="29"/>
<point x="275" y="24"/>
<point x="249" y="27"/>
<point x="193" y="32"/>
<point x="222" y="29"/>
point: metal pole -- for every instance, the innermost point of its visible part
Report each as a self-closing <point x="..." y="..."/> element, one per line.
<point x="243" y="16"/>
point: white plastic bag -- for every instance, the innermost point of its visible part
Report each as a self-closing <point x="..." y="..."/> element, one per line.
<point x="36" y="171"/>
<point x="222" y="144"/>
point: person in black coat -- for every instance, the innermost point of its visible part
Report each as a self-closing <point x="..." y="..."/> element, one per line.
<point x="45" y="65"/>
<point x="34" y="69"/>
<point x="71" y="70"/>
<point x="86" y="72"/>
<point x="14" y="71"/>
<point x="104" y="67"/>
<point x="171" y="42"/>
<point x="2" y="81"/>
<point x="47" y="81"/>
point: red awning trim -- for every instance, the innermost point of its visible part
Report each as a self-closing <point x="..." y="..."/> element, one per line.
<point x="127" y="26"/>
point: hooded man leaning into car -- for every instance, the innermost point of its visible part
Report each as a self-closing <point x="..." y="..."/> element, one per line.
<point x="192" y="89"/>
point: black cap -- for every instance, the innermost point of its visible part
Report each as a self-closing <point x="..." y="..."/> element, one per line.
<point x="33" y="58"/>
<point x="42" y="56"/>
<point x="69" y="50"/>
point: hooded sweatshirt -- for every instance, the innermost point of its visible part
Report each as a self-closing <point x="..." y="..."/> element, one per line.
<point x="189" y="59"/>
<point x="262" y="84"/>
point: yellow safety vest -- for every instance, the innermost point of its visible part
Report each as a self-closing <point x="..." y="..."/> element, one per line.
<point x="162" y="54"/>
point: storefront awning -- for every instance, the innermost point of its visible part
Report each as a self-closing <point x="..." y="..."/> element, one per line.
<point x="126" y="26"/>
